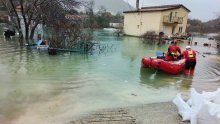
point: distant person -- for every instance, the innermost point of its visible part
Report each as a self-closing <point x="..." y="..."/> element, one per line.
<point x="190" y="39"/>
<point x="173" y="51"/>
<point x="190" y="56"/>
<point x="9" y="33"/>
<point x="46" y="42"/>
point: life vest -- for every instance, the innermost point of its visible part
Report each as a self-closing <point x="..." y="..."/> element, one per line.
<point x="174" y="53"/>
<point x="190" y="54"/>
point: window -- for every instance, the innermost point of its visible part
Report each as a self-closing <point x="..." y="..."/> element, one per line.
<point x="171" y="14"/>
<point x="180" y="29"/>
<point x="164" y="29"/>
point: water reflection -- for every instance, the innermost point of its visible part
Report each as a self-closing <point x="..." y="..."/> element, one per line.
<point x="158" y="79"/>
<point x="150" y="77"/>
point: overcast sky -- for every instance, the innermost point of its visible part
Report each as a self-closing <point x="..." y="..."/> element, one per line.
<point x="200" y="9"/>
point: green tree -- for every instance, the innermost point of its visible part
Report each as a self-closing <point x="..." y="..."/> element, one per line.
<point x="103" y="18"/>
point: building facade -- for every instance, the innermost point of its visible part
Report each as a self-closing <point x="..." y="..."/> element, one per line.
<point x="169" y="19"/>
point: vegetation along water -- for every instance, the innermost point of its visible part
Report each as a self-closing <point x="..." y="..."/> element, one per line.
<point x="39" y="88"/>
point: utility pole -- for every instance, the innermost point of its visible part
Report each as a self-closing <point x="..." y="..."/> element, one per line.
<point x="137" y="4"/>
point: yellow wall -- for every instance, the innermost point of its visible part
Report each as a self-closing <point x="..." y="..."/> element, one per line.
<point x="184" y="14"/>
<point x="131" y="22"/>
<point x="136" y="24"/>
<point x="181" y="12"/>
<point x="150" y="22"/>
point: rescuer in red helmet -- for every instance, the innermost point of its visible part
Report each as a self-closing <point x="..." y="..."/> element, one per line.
<point x="173" y="51"/>
<point x="190" y="56"/>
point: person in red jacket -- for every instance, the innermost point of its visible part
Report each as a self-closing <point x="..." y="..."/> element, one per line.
<point x="173" y="51"/>
<point x="190" y="56"/>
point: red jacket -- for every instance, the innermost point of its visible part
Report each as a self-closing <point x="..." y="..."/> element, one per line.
<point x="173" y="48"/>
<point x="189" y="54"/>
<point x="172" y="51"/>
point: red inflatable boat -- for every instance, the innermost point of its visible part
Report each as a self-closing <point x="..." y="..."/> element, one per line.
<point x="171" y="67"/>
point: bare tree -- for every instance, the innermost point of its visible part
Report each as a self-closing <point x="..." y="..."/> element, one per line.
<point x="33" y="12"/>
<point x="11" y="9"/>
<point x="90" y="12"/>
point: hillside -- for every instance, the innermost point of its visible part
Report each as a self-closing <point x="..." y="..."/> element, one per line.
<point x="212" y="26"/>
<point x="113" y="6"/>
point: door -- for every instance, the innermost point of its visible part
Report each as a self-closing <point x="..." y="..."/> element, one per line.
<point x="167" y="30"/>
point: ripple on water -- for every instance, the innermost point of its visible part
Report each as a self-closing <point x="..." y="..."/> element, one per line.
<point x="79" y="83"/>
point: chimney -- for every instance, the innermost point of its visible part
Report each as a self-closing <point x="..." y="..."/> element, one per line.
<point x="137" y="4"/>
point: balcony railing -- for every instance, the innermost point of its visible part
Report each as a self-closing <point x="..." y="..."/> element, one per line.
<point x="173" y="20"/>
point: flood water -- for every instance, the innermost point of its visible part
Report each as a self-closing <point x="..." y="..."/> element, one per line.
<point x="37" y="88"/>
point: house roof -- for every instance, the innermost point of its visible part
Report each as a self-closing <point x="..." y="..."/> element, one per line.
<point x="158" y="8"/>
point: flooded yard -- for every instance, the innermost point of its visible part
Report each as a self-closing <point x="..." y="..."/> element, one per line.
<point x="37" y="88"/>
